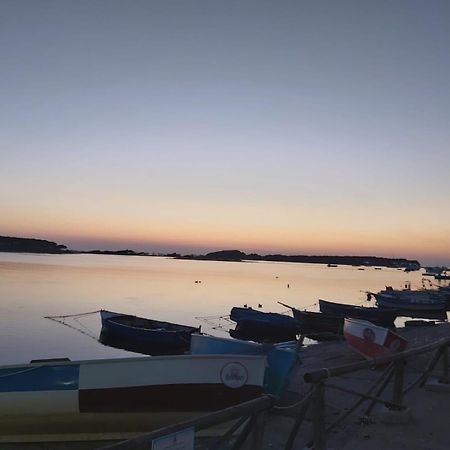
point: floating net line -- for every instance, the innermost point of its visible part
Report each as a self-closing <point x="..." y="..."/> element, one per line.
<point x="81" y="328"/>
<point x="217" y="322"/>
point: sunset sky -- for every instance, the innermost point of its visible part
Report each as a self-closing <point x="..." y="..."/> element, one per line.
<point x="299" y="127"/>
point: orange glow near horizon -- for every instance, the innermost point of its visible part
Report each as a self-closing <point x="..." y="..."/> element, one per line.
<point x="207" y="227"/>
<point x="262" y="240"/>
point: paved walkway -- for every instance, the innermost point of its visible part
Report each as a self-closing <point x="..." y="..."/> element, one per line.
<point x="429" y="424"/>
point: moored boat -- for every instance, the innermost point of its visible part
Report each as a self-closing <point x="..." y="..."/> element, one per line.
<point x="410" y="300"/>
<point x="261" y="326"/>
<point x="318" y="325"/>
<point x="151" y="337"/>
<point x="64" y="397"/>
<point x="384" y="317"/>
<point x="372" y="341"/>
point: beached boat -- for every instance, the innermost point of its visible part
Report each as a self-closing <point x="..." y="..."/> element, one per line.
<point x="261" y="326"/>
<point x="281" y="357"/>
<point x="372" y="341"/>
<point x="383" y="317"/>
<point x="151" y="337"/>
<point x="64" y="397"/>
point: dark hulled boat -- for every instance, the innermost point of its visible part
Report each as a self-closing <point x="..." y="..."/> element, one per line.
<point x="258" y="326"/>
<point x="147" y="336"/>
<point x="381" y="317"/>
<point x="318" y="325"/>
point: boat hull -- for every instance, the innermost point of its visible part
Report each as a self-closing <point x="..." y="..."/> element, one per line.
<point x="145" y="336"/>
<point x="281" y="358"/>
<point x="173" y="385"/>
<point x="372" y="341"/>
<point x="260" y="326"/>
<point x="407" y="302"/>
<point x="317" y="325"/>
<point x="381" y="317"/>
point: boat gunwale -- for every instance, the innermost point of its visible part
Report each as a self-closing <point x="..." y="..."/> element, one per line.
<point x="183" y="328"/>
<point x="38" y="364"/>
<point x="187" y="329"/>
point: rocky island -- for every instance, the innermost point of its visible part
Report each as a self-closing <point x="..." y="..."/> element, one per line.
<point x="27" y="245"/>
<point x="236" y="255"/>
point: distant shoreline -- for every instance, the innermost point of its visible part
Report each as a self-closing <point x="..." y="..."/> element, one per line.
<point x="28" y="245"/>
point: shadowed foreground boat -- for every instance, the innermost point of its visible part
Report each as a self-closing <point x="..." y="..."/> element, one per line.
<point x="150" y="337"/>
<point x="64" y="397"/>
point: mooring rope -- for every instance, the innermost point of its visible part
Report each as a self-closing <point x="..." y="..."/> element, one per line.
<point x="73" y="315"/>
<point x="86" y="331"/>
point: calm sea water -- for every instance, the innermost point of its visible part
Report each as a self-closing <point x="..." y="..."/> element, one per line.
<point x="34" y="286"/>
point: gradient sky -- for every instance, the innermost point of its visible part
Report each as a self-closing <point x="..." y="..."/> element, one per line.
<point x="300" y="127"/>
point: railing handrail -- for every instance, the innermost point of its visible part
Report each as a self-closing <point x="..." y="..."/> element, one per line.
<point x="265" y="402"/>
<point x="318" y="375"/>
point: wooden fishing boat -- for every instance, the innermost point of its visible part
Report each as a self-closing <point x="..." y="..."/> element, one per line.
<point x="151" y="337"/>
<point x="372" y="341"/>
<point x="383" y="317"/>
<point x="63" y="397"/>
<point x="261" y="326"/>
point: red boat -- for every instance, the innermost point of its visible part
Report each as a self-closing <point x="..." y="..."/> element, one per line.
<point x="372" y="341"/>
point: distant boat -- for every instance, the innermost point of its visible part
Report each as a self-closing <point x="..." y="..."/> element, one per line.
<point x="332" y="265"/>
<point x="410" y="300"/>
<point x="61" y="396"/>
<point x="372" y="341"/>
<point x="384" y="317"/>
<point x="440" y="276"/>
<point x="147" y="336"/>
<point x="259" y="326"/>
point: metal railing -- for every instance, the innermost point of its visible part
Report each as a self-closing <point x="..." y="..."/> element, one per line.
<point x="395" y="368"/>
<point x="248" y="427"/>
<point x="249" y="417"/>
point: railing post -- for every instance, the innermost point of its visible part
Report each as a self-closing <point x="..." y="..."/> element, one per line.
<point x="444" y="357"/>
<point x="399" y="369"/>
<point x="258" y="431"/>
<point x="318" y="404"/>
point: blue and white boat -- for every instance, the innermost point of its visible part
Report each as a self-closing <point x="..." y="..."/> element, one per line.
<point x="281" y="357"/>
<point x="112" y="395"/>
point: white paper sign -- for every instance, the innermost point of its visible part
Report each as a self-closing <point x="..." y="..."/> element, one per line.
<point x="181" y="440"/>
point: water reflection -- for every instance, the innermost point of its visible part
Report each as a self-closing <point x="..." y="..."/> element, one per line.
<point x="34" y="286"/>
